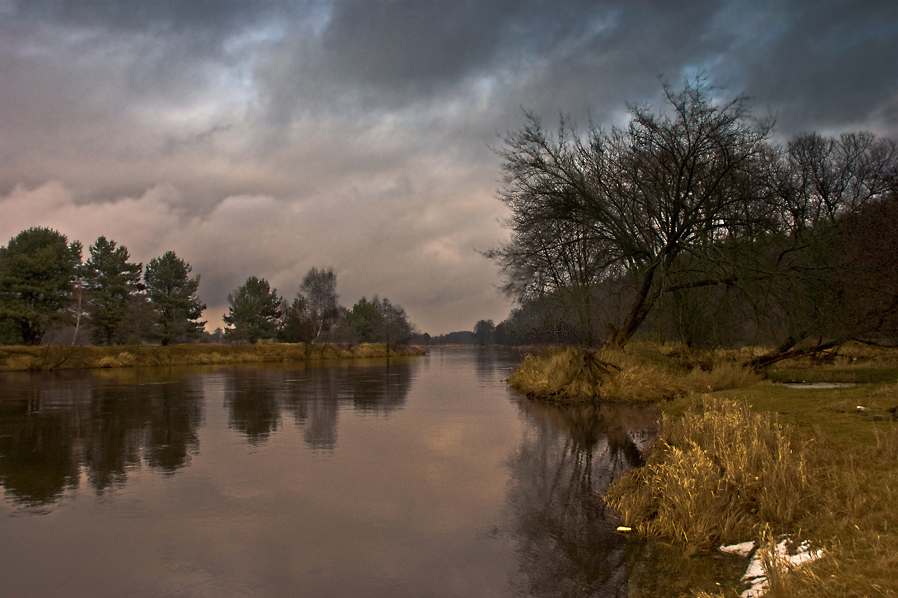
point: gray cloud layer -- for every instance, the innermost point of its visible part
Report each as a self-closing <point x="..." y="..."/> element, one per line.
<point x="264" y="137"/>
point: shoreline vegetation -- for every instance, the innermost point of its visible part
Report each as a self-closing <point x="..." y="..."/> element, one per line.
<point x="742" y="457"/>
<point x="23" y="358"/>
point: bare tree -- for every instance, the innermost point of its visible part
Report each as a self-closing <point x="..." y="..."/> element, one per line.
<point x="392" y="326"/>
<point x="318" y="301"/>
<point x="618" y="213"/>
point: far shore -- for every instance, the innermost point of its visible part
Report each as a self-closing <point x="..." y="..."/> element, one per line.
<point x="22" y="358"/>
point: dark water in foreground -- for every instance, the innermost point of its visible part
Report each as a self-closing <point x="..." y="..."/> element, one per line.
<point x="426" y="477"/>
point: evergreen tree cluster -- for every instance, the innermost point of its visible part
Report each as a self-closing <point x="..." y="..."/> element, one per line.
<point x="256" y="312"/>
<point x="44" y="287"/>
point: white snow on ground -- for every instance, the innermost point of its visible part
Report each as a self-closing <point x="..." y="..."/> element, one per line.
<point x="755" y="575"/>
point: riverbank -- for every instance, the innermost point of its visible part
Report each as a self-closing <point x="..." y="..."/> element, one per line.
<point x="19" y="358"/>
<point x="743" y="456"/>
<point x="765" y="460"/>
<point x="754" y="463"/>
<point x="644" y="372"/>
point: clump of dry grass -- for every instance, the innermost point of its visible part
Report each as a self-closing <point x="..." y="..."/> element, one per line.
<point x="718" y="474"/>
<point x="634" y="375"/>
<point x="723" y="376"/>
<point x="886" y="444"/>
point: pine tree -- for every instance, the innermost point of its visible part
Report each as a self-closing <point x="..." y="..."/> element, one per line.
<point x="255" y="311"/>
<point x="111" y="281"/>
<point x="173" y="295"/>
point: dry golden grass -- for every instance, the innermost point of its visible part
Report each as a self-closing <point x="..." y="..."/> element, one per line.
<point x="850" y="469"/>
<point x="640" y="374"/>
<point x="720" y="473"/>
<point x="47" y="358"/>
<point x="753" y="461"/>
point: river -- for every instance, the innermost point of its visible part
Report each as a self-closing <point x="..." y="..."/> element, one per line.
<point x="422" y="477"/>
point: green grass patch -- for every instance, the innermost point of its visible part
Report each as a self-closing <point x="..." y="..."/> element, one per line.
<point x="861" y="374"/>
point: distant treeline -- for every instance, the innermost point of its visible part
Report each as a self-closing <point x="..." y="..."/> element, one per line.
<point x="48" y="296"/>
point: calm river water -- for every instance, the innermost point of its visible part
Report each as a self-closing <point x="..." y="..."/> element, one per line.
<point x="422" y="478"/>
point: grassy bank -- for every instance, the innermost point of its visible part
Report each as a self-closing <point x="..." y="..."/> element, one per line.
<point x="49" y="358"/>
<point x="645" y="372"/>
<point x="757" y="462"/>
<point x="752" y="460"/>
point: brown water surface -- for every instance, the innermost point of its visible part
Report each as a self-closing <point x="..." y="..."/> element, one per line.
<point x="423" y="477"/>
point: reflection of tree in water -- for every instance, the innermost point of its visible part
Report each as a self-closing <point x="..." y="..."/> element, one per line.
<point x="378" y="390"/>
<point x="175" y="413"/>
<point x="566" y="541"/>
<point x="53" y="424"/>
<point x="113" y="439"/>
<point x="161" y="419"/>
<point x="495" y="363"/>
<point x="314" y="396"/>
<point x="37" y="461"/>
<point x="252" y="397"/>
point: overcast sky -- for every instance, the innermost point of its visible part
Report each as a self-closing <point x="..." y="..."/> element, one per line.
<point x="265" y="137"/>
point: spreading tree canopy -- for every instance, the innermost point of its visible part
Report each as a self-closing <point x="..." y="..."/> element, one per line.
<point x="622" y="208"/>
<point x="362" y="319"/>
<point x="378" y="321"/>
<point x="37" y="272"/>
<point x="318" y="293"/>
<point x="392" y="327"/>
<point x="314" y="311"/>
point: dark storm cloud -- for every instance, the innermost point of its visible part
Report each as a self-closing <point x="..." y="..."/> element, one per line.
<point x="142" y="15"/>
<point x="834" y="65"/>
<point x="264" y="137"/>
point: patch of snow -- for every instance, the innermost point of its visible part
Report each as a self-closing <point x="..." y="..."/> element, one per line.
<point x="755" y="575"/>
<point x="742" y="549"/>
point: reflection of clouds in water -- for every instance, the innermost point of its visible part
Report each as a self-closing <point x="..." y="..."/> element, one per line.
<point x="566" y="540"/>
<point x="55" y="425"/>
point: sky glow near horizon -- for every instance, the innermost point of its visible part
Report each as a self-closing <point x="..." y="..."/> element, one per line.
<point x="265" y="137"/>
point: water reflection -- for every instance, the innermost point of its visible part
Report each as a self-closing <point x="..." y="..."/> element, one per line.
<point x="426" y="479"/>
<point x="566" y="540"/>
<point x="494" y="364"/>
<point x="54" y="424"/>
<point x="252" y="400"/>
<point x="313" y="395"/>
<point x="37" y="457"/>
